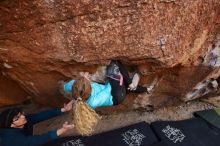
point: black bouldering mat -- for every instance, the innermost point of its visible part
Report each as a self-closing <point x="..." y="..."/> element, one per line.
<point x="68" y="141"/>
<point x="212" y="116"/>
<point x="161" y="143"/>
<point x="191" y="132"/>
<point x="139" y="134"/>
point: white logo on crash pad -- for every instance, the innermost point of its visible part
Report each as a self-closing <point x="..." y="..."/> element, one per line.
<point x="173" y="134"/>
<point x="74" y="142"/>
<point x="133" y="137"/>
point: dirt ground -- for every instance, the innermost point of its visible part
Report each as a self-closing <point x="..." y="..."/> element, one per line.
<point x="116" y="120"/>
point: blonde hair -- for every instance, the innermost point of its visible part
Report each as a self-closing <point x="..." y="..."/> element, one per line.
<point x="84" y="118"/>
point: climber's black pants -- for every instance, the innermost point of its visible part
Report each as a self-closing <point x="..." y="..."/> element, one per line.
<point x="119" y="91"/>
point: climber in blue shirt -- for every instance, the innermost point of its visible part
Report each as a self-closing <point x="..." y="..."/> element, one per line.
<point x="111" y="93"/>
<point x="16" y="128"/>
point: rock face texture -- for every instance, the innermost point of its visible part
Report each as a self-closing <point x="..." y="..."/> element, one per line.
<point x="44" y="41"/>
<point x="11" y="92"/>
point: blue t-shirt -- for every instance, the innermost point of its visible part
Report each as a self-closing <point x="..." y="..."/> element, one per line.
<point x="100" y="94"/>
